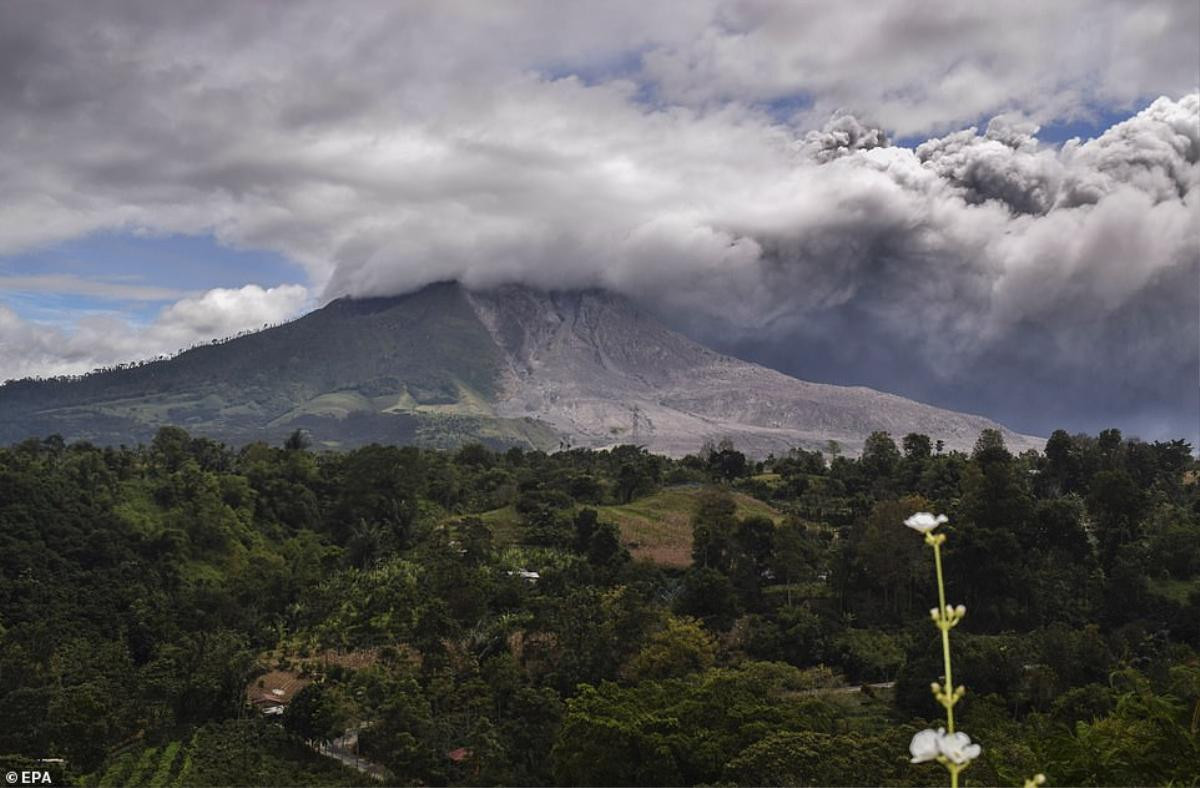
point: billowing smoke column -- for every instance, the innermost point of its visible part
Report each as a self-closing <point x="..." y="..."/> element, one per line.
<point x="996" y="272"/>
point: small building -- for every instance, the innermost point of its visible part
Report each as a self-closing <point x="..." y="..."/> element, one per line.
<point x="271" y="692"/>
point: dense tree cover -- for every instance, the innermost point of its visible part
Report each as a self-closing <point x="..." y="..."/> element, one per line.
<point x="143" y="588"/>
<point x="252" y="752"/>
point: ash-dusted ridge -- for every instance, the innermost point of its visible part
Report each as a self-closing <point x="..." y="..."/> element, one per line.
<point x="599" y="370"/>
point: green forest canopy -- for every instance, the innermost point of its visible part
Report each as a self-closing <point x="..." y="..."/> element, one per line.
<point x="144" y="589"/>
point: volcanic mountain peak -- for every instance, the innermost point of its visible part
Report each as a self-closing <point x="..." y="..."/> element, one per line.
<point x="443" y="366"/>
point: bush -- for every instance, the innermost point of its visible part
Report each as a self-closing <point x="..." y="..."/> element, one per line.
<point x="1083" y="704"/>
<point x="868" y="654"/>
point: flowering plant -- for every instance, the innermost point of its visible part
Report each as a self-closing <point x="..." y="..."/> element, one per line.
<point x="953" y="749"/>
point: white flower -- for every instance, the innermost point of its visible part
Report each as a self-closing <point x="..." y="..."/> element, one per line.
<point x="957" y="748"/>
<point x="924" y="746"/>
<point x="929" y="745"/>
<point x="925" y="522"/>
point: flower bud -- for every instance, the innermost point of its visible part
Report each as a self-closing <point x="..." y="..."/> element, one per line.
<point x="960" y="611"/>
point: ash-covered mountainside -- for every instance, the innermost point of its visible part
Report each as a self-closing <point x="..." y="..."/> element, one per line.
<point x="598" y="369"/>
<point x="444" y="366"/>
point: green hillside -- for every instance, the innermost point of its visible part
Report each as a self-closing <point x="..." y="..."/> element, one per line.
<point x="659" y="527"/>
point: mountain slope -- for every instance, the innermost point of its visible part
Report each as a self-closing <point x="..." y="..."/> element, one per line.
<point x="442" y="366"/>
<point x="416" y="368"/>
<point x="597" y="369"/>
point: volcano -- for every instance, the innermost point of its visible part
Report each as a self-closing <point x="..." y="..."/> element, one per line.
<point x="444" y="366"/>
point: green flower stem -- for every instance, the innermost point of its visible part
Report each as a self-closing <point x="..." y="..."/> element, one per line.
<point x="945" y="618"/>
<point x="953" y="768"/>
<point x="944" y="626"/>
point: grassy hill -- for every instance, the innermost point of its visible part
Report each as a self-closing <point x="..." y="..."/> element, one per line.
<point x="659" y="527"/>
<point x="656" y="528"/>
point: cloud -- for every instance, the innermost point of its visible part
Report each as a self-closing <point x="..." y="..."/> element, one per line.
<point x="643" y="147"/>
<point x="922" y="67"/>
<point x="1157" y="155"/>
<point x="1005" y="163"/>
<point x="842" y="134"/>
<point x="29" y="348"/>
<point x="1047" y="287"/>
<point x="76" y="285"/>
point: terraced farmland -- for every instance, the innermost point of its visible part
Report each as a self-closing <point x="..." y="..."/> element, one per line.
<point x="243" y="752"/>
<point x="158" y="767"/>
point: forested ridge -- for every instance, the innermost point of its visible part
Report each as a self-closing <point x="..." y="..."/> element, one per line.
<point x="482" y="617"/>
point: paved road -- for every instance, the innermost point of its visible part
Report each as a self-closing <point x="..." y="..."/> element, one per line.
<point x="344" y="748"/>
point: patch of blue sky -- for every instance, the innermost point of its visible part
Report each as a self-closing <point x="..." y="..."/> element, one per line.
<point x="625" y="65"/>
<point x="1086" y="126"/>
<point x="64" y="309"/>
<point x="621" y="65"/>
<point x="130" y="275"/>
<point x="784" y="108"/>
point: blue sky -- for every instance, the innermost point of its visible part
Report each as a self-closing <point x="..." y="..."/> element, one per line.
<point x="136" y="265"/>
<point x="1085" y="127"/>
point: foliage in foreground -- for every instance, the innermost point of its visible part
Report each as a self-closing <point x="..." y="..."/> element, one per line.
<point x="144" y="588"/>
